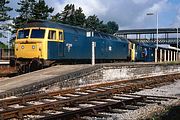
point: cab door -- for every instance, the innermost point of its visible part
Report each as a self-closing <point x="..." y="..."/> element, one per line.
<point x="132" y="52"/>
<point x="60" y="43"/>
<point x="55" y="44"/>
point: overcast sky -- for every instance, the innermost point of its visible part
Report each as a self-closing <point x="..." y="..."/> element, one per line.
<point x="129" y="14"/>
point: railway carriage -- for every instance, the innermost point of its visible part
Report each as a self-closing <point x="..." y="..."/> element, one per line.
<point x="43" y="43"/>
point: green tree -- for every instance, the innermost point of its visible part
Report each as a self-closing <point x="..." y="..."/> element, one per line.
<point x="31" y="10"/>
<point x="79" y="17"/>
<point x="41" y="10"/>
<point x="112" y="27"/>
<point x="4" y="10"/>
<point x="56" y="18"/>
<point x="2" y="45"/>
<point x="93" y="22"/>
<point x="103" y="28"/>
<point x="4" y="20"/>
<point x="67" y="16"/>
<point x="25" y="12"/>
<point x="71" y="16"/>
<point x="0" y="35"/>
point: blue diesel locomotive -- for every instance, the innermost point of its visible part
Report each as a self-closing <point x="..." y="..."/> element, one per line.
<point x="43" y="43"/>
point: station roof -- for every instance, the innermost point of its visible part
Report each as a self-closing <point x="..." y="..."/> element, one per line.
<point x="147" y="31"/>
<point x="166" y="46"/>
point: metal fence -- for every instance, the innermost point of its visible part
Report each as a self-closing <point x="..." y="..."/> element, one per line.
<point x="6" y="54"/>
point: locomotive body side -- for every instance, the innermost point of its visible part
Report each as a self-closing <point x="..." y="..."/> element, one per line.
<point x="77" y="47"/>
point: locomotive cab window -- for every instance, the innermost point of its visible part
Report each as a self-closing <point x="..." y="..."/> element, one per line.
<point x="37" y="33"/>
<point x="52" y="35"/>
<point x="23" y="34"/>
<point x="60" y="36"/>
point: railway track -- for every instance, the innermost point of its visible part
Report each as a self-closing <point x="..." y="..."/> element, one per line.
<point x="84" y="101"/>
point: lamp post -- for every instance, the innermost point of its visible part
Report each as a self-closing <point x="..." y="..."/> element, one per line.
<point x="8" y="42"/>
<point x="157" y="34"/>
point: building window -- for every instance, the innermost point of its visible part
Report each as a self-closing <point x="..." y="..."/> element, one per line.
<point x="52" y="35"/>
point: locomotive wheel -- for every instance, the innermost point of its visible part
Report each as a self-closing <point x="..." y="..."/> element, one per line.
<point x="35" y="65"/>
<point x="21" y="69"/>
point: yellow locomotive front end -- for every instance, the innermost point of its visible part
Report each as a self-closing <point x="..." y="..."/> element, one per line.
<point x="30" y="49"/>
<point x="30" y="43"/>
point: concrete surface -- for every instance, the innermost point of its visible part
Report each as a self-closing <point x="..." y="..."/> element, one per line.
<point x="37" y="76"/>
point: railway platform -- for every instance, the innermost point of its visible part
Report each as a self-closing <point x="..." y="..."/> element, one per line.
<point x="38" y="76"/>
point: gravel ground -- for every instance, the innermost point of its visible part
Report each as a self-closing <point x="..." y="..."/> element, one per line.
<point x="7" y="69"/>
<point x="167" y="90"/>
<point x="2" y="78"/>
<point x="151" y="109"/>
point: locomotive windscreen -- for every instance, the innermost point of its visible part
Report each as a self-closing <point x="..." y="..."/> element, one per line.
<point x="23" y="34"/>
<point x="37" y="33"/>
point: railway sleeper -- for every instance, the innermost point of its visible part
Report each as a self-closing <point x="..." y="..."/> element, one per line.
<point x="94" y="109"/>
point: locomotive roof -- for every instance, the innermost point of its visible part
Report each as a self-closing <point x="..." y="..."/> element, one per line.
<point x="68" y="28"/>
<point x="50" y="24"/>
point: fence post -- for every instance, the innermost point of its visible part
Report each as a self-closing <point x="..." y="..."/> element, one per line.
<point x="0" y="53"/>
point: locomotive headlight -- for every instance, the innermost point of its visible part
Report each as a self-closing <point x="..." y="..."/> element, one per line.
<point x="16" y="46"/>
<point x="22" y="47"/>
<point x="33" y="47"/>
